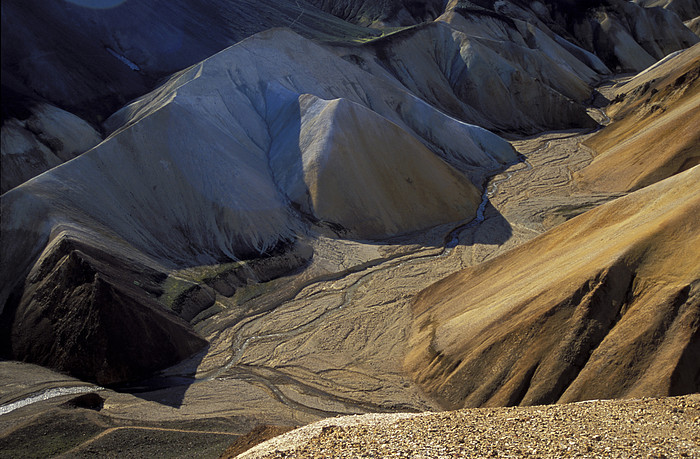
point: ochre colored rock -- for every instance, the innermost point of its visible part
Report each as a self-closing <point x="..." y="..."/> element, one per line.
<point x="606" y="305"/>
<point x="654" y="133"/>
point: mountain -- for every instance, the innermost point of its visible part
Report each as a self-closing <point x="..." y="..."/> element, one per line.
<point x="241" y="214"/>
<point x="598" y="307"/>
<point x="46" y="138"/>
<point x="685" y="9"/>
<point x="237" y="156"/>
<point x="101" y="58"/>
<point x="494" y="81"/>
<point x="665" y="101"/>
<point x="624" y="35"/>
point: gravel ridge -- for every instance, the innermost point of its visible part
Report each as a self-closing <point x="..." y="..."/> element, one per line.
<point x="666" y="427"/>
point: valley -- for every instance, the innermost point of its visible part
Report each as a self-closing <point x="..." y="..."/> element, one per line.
<point x="314" y="209"/>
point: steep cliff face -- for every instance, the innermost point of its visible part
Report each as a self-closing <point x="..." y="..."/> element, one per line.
<point x="599" y="307"/>
<point x="657" y="111"/>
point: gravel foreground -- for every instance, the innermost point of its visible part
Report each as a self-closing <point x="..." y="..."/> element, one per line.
<point x="643" y="428"/>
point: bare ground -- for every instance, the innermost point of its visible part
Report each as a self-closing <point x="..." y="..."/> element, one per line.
<point x="642" y="428"/>
<point x="330" y="340"/>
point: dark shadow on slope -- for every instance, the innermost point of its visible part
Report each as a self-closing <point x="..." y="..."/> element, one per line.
<point x="99" y="59"/>
<point x="284" y="111"/>
<point x="166" y="390"/>
<point x="94" y="316"/>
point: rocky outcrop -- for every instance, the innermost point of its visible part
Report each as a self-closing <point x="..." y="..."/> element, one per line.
<point x="94" y="316"/>
<point x="654" y="132"/>
<point x="598" y="307"/>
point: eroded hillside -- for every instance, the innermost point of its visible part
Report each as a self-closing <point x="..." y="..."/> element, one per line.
<point x="469" y="207"/>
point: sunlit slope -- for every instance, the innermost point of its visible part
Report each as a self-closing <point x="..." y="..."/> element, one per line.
<point x="364" y="173"/>
<point x="655" y="131"/>
<point x="606" y="305"/>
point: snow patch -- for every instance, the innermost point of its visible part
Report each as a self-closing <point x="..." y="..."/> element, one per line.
<point x="46" y="395"/>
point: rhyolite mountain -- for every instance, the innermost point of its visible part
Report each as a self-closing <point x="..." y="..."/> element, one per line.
<point x="100" y="58"/>
<point x="282" y="211"/>
<point x="567" y="317"/>
<point x="665" y="101"/>
<point x="238" y="155"/>
<point x="619" y="318"/>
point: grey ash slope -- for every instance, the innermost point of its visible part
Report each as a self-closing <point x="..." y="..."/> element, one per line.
<point x="501" y="75"/>
<point x="211" y="166"/>
<point x="624" y="35"/>
<point x="71" y="66"/>
<point x="99" y="59"/>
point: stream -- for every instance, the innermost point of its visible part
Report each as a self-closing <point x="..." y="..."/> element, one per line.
<point x="347" y="294"/>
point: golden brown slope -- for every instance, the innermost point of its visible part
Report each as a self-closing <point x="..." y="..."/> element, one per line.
<point x="606" y="305"/>
<point x="659" y="111"/>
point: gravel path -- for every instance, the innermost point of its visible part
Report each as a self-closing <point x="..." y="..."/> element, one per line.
<point x="644" y="428"/>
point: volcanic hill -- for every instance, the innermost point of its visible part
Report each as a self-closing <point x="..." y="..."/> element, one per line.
<point x="224" y="220"/>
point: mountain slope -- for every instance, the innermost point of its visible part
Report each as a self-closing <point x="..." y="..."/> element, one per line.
<point x="102" y="57"/>
<point x="383" y="13"/>
<point x="685" y="9"/>
<point x="489" y="81"/>
<point x="657" y="111"/>
<point x="625" y="36"/>
<point x="364" y="173"/>
<point x="232" y="159"/>
<point x="48" y="137"/>
<point x="606" y="305"/>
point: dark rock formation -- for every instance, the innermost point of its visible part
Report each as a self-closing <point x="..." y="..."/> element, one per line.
<point x="91" y="401"/>
<point x="89" y="314"/>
